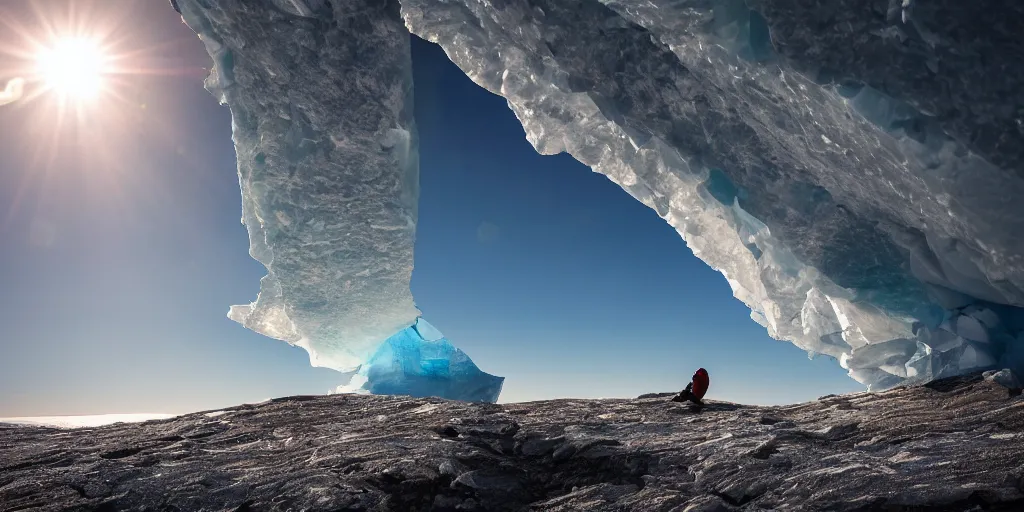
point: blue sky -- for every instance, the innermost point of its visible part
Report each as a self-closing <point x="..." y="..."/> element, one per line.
<point x="121" y="249"/>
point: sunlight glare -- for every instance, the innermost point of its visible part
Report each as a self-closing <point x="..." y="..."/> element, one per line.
<point x="73" y="67"/>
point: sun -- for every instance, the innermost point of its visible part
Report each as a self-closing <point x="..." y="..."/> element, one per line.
<point x="73" y="68"/>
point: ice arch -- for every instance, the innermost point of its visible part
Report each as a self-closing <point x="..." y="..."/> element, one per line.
<point x="859" y="212"/>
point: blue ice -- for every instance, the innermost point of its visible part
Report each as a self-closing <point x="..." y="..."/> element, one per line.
<point x="419" y="361"/>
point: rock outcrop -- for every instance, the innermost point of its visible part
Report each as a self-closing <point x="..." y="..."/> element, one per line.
<point x="952" y="445"/>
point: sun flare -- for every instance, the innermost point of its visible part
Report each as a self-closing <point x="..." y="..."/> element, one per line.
<point x="73" y="67"/>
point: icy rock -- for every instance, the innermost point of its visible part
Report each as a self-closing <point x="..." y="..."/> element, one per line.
<point x="706" y="504"/>
<point x="420" y="362"/>
<point x="336" y="453"/>
<point x="764" y="450"/>
<point x="1005" y="377"/>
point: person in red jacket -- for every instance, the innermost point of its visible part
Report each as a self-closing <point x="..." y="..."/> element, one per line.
<point x="696" y="389"/>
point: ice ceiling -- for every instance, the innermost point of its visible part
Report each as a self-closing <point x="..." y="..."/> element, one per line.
<point x="854" y="168"/>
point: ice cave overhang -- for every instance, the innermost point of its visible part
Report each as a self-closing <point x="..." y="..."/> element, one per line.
<point x="853" y="170"/>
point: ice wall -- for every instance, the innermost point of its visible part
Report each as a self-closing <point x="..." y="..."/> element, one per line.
<point x="321" y="103"/>
<point x="856" y="211"/>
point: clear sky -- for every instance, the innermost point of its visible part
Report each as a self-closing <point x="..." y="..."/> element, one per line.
<point x="121" y="250"/>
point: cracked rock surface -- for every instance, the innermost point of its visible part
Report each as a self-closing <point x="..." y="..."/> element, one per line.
<point x="955" y="444"/>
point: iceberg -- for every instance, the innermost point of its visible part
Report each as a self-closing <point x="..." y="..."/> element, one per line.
<point x="853" y="171"/>
<point x="420" y="362"/>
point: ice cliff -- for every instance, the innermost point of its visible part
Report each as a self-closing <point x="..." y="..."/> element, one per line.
<point x="321" y="104"/>
<point x="854" y="169"/>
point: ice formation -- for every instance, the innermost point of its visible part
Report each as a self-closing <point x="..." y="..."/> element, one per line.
<point x="328" y="168"/>
<point x="420" y="362"/>
<point x="855" y="214"/>
<point x="853" y="169"/>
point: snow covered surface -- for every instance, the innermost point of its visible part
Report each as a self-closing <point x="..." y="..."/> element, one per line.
<point x="94" y="420"/>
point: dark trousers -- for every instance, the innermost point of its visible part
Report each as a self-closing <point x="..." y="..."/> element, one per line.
<point x="687" y="395"/>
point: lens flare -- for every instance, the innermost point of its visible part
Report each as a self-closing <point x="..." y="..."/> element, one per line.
<point x="12" y="91"/>
<point x="73" y="67"/>
<point x="83" y="86"/>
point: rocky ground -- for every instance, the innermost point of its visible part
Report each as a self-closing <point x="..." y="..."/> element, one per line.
<point x="954" y="445"/>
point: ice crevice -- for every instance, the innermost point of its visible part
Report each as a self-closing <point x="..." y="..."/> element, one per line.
<point x="853" y="212"/>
